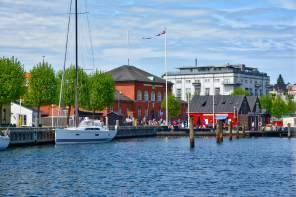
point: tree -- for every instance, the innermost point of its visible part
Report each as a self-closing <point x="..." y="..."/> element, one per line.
<point x="12" y="81"/>
<point x="174" y="106"/>
<point x="266" y="102"/>
<point x="68" y="93"/>
<point x="280" y="84"/>
<point x="101" y="91"/>
<point x="42" y="87"/>
<point x="240" y="92"/>
<point x="279" y="107"/>
<point x="291" y="106"/>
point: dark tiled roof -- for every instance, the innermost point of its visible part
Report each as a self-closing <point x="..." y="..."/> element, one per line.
<point x="252" y="101"/>
<point x="122" y="97"/>
<point x="204" y="104"/>
<point x="132" y="73"/>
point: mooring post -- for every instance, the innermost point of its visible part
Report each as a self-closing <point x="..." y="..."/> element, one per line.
<point x="244" y="131"/>
<point x="230" y="130"/>
<point x="217" y="132"/>
<point x="221" y="131"/>
<point x="289" y="130"/>
<point x="191" y="134"/>
<point x="237" y="131"/>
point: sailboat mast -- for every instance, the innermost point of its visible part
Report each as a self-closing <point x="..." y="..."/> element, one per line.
<point x="76" y="118"/>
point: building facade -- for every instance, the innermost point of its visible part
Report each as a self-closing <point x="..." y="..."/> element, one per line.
<point x="240" y="110"/>
<point x="217" y="80"/>
<point x="139" y="93"/>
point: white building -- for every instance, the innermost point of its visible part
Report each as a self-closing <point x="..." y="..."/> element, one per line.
<point x="218" y="80"/>
<point x="22" y="116"/>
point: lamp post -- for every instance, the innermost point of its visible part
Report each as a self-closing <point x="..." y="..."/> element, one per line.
<point x="188" y="108"/>
<point x="119" y="111"/>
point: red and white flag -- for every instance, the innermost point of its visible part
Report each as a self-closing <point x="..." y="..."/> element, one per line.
<point x="161" y="33"/>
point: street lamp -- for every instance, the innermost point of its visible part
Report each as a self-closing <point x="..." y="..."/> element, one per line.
<point x="118" y="107"/>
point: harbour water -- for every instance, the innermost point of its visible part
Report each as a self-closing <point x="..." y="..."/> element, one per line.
<point x="152" y="167"/>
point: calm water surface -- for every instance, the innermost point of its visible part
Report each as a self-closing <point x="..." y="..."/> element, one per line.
<point x="152" y="167"/>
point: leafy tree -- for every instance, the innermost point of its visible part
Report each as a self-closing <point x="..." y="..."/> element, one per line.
<point x="12" y="81"/>
<point x="291" y="106"/>
<point x="101" y="91"/>
<point x="68" y="94"/>
<point x="266" y="102"/>
<point x="279" y="107"/>
<point x="42" y="87"/>
<point x="174" y="106"/>
<point x="240" y="92"/>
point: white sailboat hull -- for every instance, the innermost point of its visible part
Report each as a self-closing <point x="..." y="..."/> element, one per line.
<point x="76" y="135"/>
<point x="4" y="142"/>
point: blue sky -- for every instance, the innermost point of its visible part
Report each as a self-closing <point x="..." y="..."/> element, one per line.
<point x="257" y="33"/>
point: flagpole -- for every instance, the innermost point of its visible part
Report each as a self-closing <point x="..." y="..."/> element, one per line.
<point x="166" y="78"/>
<point x="213" y="103"/>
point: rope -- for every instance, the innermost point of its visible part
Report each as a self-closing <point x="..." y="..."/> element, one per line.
<point x="65" y="60"/>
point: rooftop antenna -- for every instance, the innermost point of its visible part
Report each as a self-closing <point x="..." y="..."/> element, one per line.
<point x="195" y="62"/>
<point x="128" y="46"/>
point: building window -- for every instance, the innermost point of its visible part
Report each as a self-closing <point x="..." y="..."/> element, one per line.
<point x="217" y="91"/>
<point x="187" y="81"/>
<point x="197" y="90"/>
<point x="139" y="95"/>
<point x="188" y="91"/>
<point x="217" y="80"/>
<point x="178" y="81"/>
<point x="159" y="96"/>
<point x="207" y="91"/>
<point x="146" y="96"/>
<point x="152" y="96"/>
<point x="179" y="93"/>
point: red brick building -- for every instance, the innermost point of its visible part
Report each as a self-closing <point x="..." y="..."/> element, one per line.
<point x="139" y="93"/>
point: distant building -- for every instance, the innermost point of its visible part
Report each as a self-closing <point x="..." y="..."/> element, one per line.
<point x="139" y="93"/>
<point x="218" y="80"/>
<point x="240" y="110"/>
<point x="22" y="116"/>
<point x="292" y="90"/>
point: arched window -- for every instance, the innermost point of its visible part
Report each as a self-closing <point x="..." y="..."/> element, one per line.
<point x="152" y="96"/>
<point x="146" y="96"/>
<point x="159" y="96"/>
<point x="139" y="95"/>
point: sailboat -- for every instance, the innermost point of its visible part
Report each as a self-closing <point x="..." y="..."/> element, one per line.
<point x="88" y="131"/>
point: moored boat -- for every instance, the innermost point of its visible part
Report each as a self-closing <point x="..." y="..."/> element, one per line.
<point x="4" y="142"/>
<point x="89" y="131"/>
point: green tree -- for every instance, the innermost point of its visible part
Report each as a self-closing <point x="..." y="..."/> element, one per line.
<point x="174" y="106"/>
<point x="279" y="107"/>
<point x="240" y="92"/>
<point x="266" y="102"/>
<point x="291" y="106"/>
<point x="101" y="91"/>
<point x="42" y="87"/>
<point x="280" y="84"/>
<point x="68" y="93"/>
<point x="12" y="81"/>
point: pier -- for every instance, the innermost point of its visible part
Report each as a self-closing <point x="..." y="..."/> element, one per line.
<point x="31" y="136"/>
<point x="36" y="136"/>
